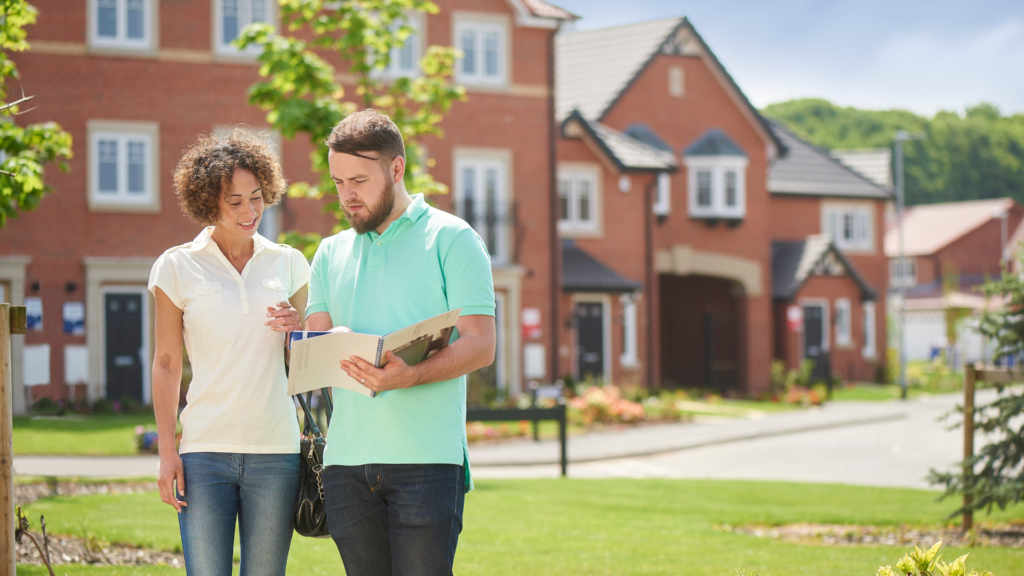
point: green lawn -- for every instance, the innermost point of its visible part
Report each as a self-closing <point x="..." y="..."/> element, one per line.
<point x="870" y="392"/>
<point x="528" y="527"/>
<point x="80" y="435"/>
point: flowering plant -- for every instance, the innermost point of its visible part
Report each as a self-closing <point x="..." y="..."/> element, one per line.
<point x="146" y="439"/>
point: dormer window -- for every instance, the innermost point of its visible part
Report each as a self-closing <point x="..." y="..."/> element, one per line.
<point x="716" y="177"/>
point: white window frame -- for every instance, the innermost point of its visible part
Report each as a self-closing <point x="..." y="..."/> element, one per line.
<point x="718" y="166"/>
<point x="482" y="24"/>
<point x="414" y="43"/>
<point x="122" y="133"/>
<point x="860" y="217"/>
<point x="903" y="275"/>
<point x="574" y="175"/>
<point x="630" y="354"/>
<point x="844" y="322"/>
<point x="870" y="349"/>
<point x="222" y="48"/>
<point x="121" y="40"/>
<point x="676" y="81"/>
<point x="481" y="161"/>
<point x="663" y="194"/>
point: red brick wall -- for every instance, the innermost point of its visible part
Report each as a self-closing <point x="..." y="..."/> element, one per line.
<point x="979" y="251"/>
<point x="848" y="362"/>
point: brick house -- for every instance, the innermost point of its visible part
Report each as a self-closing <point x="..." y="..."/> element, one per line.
<point x="136" y="81"/>
<point x="950" y="249"/>
<point x="700" y="241"/>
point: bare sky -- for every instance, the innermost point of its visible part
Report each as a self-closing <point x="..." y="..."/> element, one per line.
<point x="918" y="55"/>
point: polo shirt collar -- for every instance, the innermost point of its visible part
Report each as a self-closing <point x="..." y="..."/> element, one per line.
<point x="417" y="208"/>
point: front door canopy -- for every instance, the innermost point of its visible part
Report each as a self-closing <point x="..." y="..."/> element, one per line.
<point x="794" y="262"/>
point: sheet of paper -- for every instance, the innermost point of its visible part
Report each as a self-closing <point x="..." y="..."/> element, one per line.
<point x="422" y="340"/>
<point x="315" y="362"/>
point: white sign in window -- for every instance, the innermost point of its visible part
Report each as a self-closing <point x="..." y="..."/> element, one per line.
<point x="843" y="329"/>
<point x="76" y="364"/>
<point x="36" y="359"/>
<point x="870" y="345"/>
<point x="717" y="186"/>
<point x="663" y="195"/>
<point x="123" y="168"/>
<point x="577" y="200"/>
<point x="848" y="226"/>
<point x="483" y="53"/>
<point x="121" y="23"/>
<point x="480" y="201"/>
<point x="233" y="16"/>
<point x="629" y="331"/>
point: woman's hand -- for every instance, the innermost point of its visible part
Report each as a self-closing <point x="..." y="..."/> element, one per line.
<point x="283" y="318"/>
<point x="171" y="470"/>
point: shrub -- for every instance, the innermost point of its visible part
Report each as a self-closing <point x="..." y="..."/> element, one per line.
<point x="102" y="406"/>
<point x="929" y="563"/>
<point x="603" y="404"/>
<point x="46" y="405"/>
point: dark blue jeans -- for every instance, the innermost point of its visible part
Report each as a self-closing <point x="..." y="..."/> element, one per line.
<point x="259" y="490"/>
<point x="395" y="519"/>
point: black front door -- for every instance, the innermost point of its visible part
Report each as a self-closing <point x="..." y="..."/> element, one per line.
<point x="814" y="341"/>
<point x="590" y="340"/>
<point x="123" y="313"/>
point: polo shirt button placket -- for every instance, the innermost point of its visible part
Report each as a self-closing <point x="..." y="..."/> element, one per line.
<point x="244" y="293"/>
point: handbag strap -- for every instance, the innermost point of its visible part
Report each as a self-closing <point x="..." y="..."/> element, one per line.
<point x="310" y="427"/>
<point x="325" y="394"/>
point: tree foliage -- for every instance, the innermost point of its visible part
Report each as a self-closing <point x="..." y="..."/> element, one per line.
<point x="998" y="477"/>
<point x="975" y="155"/>
<point x="305" y="93"/>
<point x="24" y="150"/>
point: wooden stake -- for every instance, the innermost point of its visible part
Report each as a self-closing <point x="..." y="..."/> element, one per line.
<point x="969" y="376"/>
<point x="7" y="557"/>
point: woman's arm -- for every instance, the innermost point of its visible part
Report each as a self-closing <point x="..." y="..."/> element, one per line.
<point x="166" y="390"/>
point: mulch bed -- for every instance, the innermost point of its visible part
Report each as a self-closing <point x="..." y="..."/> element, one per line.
<point x="994" y="536"/>
<point x="73" y="550"/>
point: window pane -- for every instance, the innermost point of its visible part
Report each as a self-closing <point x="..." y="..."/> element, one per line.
<point x="847" y="235"/>
<point x="468" y="196"/>
<point x="730" y="188"/>
<point x="258" y="10"/>
<point x="405" y="55"/>
<point x="469" y="51"/>
<point x="563" y="199"/>
<point x="491" y="53"/>
<point x="584" y="196"/>
<point x="491" y="199"/>
<point x="107" y="155"/>
<point x="704" y="188"/>
<point x="230" y="20"/>
<point x="106" y="18"/>
<point x="136" y="167"/>
<point x="136" y="12"/>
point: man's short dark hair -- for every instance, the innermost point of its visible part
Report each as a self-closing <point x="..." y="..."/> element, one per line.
<point x="367" y="131"/>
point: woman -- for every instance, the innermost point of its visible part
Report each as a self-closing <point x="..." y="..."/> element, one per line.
<point x="231" y="296"/>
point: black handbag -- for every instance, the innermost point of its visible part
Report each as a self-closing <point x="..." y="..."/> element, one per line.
<point x="310" y="515"/>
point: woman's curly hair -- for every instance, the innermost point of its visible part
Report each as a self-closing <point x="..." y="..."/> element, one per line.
<point x="204" y="173"/>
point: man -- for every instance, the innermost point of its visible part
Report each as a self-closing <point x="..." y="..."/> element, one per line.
<point x="396" y="466"/>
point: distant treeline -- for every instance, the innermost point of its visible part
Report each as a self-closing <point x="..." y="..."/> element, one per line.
<point x="977" y="155"/>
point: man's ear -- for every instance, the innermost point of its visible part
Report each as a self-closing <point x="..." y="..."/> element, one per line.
<point x="397" y="169"/>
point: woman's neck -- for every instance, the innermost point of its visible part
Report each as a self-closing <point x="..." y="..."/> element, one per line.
<point x="237" y="249"/>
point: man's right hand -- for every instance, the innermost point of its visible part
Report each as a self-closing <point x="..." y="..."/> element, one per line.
<point x="171" y="470"/>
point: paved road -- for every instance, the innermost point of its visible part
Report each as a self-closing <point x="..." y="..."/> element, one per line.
<point x="866" y="443"/>
<point x="892" y="451"/>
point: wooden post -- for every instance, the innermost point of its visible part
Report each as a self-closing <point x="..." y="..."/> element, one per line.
<point x="969" y="376"/>
<point x="7" y="557"/>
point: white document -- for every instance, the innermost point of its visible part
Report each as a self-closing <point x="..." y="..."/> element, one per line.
<point x="316" y="357"/>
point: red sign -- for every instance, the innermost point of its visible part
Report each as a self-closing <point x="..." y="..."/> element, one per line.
<point x="795" y="318"/>
<point x="531" y="323"/>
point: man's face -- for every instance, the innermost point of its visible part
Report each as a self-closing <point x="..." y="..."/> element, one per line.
<point x="366" y="188"/>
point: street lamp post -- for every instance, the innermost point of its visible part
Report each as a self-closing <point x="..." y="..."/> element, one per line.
<point x="901" y="264"/>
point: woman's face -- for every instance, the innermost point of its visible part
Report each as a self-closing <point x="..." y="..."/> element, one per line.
<point x="241" y="207"/>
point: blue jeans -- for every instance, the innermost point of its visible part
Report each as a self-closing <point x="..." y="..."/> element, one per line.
<point x="259" y="490"/>
<point x="395" y="519"/>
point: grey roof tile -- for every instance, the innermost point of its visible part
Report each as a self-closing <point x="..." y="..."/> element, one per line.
<point x="626" y="152"/>
<point x="809" y="170"/>
<point x="581" y="272"/>
<point x="795" y="261"/>
<point x="645" y="134"/>
<point x="714" y="142"/>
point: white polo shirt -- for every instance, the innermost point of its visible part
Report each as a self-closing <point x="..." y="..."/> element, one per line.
<point x="238" y="399"/>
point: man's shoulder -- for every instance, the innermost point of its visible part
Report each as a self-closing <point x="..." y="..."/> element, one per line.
<point x="438" y="221"/>
<point x="334" y="241"/>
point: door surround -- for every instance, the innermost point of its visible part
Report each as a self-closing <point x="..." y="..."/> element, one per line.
<point x="147" y="351"/>
<point x="606" y="326"/>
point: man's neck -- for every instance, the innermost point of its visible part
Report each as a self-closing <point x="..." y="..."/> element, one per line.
<point x="402" y="202"/>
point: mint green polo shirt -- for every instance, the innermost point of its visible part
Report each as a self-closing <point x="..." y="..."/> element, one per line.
<point x="427" y="262"/>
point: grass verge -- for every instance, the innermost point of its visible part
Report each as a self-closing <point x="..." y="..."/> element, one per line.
<point x="79" y="435"/>
<point x="539" y="527"/>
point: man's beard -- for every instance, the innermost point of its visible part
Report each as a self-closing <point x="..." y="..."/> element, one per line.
<point x="375" y="215"/>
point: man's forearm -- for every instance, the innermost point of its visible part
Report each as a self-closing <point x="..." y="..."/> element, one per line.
<point x="468" y="353"/>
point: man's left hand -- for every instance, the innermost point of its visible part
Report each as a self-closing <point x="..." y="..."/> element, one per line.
<point x="394" y="375"/>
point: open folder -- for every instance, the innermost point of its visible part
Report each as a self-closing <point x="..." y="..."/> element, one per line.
<point x="316" y="356"/>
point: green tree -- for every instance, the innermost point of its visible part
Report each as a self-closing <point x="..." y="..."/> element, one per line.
<point x="24" y="150"/>
<point x="302" y="92"/>
<point x="998" y="478"/>
<point x="970" y="156"/>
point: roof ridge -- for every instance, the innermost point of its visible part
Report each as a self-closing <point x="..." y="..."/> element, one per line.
<point x="618" y="26"/>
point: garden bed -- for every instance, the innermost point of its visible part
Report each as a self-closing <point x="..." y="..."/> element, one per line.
<point x="995" y="536"/>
